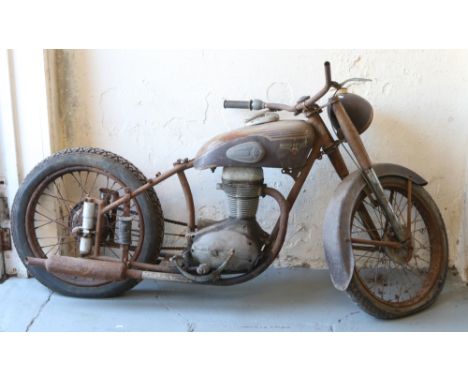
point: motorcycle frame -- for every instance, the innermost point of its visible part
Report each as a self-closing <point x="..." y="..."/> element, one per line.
<point x="324" y="144"/>
<point x="114" y="269"/>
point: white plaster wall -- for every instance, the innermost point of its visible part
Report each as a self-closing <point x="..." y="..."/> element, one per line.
<point x="153" y="107"/>
<point x="24" y="126"/>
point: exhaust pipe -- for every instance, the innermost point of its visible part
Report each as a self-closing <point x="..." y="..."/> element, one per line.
<point x="104" y="270"/>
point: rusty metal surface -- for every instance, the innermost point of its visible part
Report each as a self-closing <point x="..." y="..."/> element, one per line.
<point x="105" y="270"/>
<point x="126" y="213"/>
<point x="99" y="226"/>
<point x="329" y="145"/>
<point x="389" y="211"/>
<point x="286" y="143"/>
<point x="387" y="169"/>
<point x="302" y="176"/>
<point x="165" y="266"/>
<point x="161" y="276"/>
<point x="409" y="209"/>
<point x="378" y="243"/>
<point x="5" y="239"/>
<point x="104" y="258"/>
<point x="352" y="136"/>
<point x="176" y="222"/>
<point x="178" y="167"/>
<point x="283" y="220"/>
<point x="367" y="221"/>
<point x="4" y="211"/>
<point x="336" y="232"/>
<point x="310" y="101"/>
<point x="188" y="200"/>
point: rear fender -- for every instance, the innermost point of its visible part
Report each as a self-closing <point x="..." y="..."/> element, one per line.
<point x="336" y="232"/>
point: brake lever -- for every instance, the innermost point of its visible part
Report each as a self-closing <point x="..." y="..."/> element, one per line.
<point x="303" y="98"/>
<point x="355" y="79"/>
<point x="256" y="115"/>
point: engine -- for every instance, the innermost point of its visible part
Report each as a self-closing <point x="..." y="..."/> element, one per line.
<point x="243" y="187"/>
<point x="238" y="239"/>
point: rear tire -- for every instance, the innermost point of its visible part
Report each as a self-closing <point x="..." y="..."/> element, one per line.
<point x="69" y="163"/>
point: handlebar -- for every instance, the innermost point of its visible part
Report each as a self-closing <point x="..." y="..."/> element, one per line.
<point x="257" y="104"/>
<point x="328" y="84"/>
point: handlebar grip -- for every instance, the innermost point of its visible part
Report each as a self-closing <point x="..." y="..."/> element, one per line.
<point x="229" y="104"/>
<point x="327" y="72"/>
<point x="253" y="104"/>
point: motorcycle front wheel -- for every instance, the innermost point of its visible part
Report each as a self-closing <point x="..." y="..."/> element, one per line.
<point x="391" y="283"/>
<point x="49" y="205"/>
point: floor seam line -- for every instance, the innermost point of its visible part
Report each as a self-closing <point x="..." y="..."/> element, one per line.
<point x="190" y="326"/>
<point x="31" y="323"/>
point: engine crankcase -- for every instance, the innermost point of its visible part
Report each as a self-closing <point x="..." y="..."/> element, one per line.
<point x="243" y="238"/>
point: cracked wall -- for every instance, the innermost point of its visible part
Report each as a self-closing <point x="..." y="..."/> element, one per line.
<point x="153" y="107"/>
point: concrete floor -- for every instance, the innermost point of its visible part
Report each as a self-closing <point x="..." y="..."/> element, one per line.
<point x="279" y="300"/>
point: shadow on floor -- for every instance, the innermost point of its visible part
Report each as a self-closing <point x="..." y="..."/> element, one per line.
<point x="278" y="300"/>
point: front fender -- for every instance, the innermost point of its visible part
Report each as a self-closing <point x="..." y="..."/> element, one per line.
<point x="336" y="232"/>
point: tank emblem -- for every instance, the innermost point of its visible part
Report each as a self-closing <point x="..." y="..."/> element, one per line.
<point x="293" y="147"/>
<point x="247" y="152"/>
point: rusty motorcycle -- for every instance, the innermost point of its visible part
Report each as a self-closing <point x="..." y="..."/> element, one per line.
<point x="87" y="223"/>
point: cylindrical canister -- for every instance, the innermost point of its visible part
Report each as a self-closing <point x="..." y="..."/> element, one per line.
<point x="89" y="223"/>
<point x="123" y="230"/>
<point x="88" y="215"/>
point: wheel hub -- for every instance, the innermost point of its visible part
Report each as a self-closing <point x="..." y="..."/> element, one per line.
<point x="400" y="255"/>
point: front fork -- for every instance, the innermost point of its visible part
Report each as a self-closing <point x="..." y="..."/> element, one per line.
<point x="357" y="146"/>
<point x="376" y="187"/>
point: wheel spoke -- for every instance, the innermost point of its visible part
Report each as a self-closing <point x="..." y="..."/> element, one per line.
<point x="58" y="243"/>
<point x="83" y="191"/>
<point x="50" y="221"/>
<point x="61" y="196"/>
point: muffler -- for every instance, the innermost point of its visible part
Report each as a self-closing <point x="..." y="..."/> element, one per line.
<point x="102" y="270"/>
<point x="106" y="270"/>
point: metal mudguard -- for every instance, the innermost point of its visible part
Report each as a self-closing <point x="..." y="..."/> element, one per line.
<point x="336" y="232"/>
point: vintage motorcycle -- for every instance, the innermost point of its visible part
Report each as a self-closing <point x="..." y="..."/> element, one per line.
<point x="87" y="223"/>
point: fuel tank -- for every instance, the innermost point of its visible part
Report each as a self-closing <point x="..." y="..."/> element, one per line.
<point x="280" y="144"/>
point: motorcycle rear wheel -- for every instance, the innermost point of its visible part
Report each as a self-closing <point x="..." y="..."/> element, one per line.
<point x="383" y="284"/>
<point x="48" y="205"/>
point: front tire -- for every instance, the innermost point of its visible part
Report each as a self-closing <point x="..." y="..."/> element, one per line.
<point x="382" y="284"/>
<point x="48" y="205"/>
